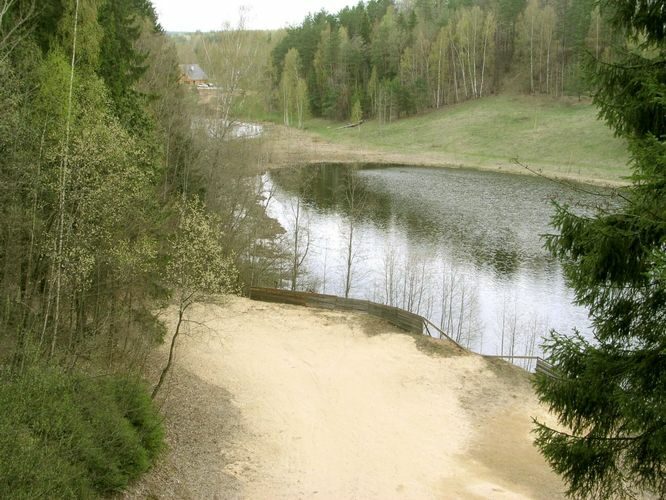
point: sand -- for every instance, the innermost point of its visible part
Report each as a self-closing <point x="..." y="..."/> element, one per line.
<point x="272" y="401"/>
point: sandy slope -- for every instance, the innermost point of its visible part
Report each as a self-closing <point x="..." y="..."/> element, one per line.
<point x="274" y="401"/>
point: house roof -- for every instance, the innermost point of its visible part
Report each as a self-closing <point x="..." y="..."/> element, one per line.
<point x="193" y="72"/>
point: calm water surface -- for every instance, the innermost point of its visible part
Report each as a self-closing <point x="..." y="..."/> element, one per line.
<point x="460" y="247"/>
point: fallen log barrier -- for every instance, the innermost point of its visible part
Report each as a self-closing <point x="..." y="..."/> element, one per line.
<point x="350" y="125"/>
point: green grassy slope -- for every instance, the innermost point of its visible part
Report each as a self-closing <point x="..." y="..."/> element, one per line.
<point x="558" y="136"/>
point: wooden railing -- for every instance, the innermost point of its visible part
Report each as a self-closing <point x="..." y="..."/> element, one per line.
<point x="541" y="365"/>
<point x="405" y="320"/>
<point x="432" y="330"/>
<point x="402" y="319"/>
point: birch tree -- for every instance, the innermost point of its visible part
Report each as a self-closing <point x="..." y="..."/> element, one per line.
<point x="14" y="19"/>
<point x="354" y="201"/>
<point x="293" y="90"/>
<point x="439" y="60"/>
<point x="230" y="58"/>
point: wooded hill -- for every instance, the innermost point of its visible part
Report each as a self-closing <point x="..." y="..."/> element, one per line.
<point x="387" y="58"/>
<point x="102" y="220"/>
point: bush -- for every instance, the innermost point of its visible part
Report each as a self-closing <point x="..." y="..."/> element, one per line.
<point x="72" y="436"/>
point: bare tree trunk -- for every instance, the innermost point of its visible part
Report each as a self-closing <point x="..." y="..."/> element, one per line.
<point x="503" y="327"/>
<point x="597" y="18"/>
<point x="474" y="77"/>
<point x="548" y="69"/>
<point x="483" y="59"/>
<point x="443" y="303"/>
<point x="439" y="78"/>
<point x="421" y="287"/>
<point x="461" y="314"/>
<point x="172" y="348"/>
<point x="298" y="257"/>
<point x="462" y="70"/>
<point x="355" y="200"/>
<point x="532" y="56"/>
<point x="350" y="247"/>
<point x="294" y="269"/>
<point x="323" y="285"/>
<point x="11" y="36"/>
<point x="455" y="75"/>
<point x="286" y="105"/>
<point x="64" y="165"/>
<point x="389" y="277"/>
<point x="470" y="75"/>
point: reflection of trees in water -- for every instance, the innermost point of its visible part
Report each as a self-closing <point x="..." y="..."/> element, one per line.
<point x="442" y="293"/>
<point x="458" y="232"/>
<point x="437" y="251"/>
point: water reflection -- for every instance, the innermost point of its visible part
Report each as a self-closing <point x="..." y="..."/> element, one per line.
<point x="461" y="247"/>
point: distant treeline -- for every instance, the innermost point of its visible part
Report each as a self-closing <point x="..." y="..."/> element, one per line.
<point x="391" y="58"/>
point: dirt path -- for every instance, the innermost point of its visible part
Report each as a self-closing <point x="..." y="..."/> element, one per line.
<point x="274" y="401"/>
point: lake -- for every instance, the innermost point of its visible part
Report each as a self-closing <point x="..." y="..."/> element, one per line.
<point x="460" y="247"/>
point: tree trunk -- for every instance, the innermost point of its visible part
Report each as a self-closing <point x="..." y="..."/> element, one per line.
<point x="64" y="165"/>
<point x="350" y="249"/>
<point x="172" y="349"/>
<point x="532" y="57"/>
<point x="294" y="269"/>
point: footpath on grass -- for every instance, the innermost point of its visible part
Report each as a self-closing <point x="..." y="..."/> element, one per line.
<point x="279" y="401"/>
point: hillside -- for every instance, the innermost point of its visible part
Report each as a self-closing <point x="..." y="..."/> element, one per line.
<point x="340" y="405"/>
<point x="561" y="137"/>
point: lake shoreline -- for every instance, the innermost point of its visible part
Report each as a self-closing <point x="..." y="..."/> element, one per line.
<point x="288" y="147"/>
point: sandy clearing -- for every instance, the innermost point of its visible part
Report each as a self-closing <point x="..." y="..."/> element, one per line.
<point x="289" y="402"/>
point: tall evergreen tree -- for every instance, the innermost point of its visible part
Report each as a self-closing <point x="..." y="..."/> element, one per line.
<point x="122" y="65"/>
<point x="610" y="394"/>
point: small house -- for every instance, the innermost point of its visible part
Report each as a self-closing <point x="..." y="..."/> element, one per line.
<point x="192" y="74"/>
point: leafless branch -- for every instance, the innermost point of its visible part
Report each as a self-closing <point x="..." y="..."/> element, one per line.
<point x="11" y="35"/>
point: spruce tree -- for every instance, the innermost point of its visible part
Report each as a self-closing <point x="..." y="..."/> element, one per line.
<point x="121" y="64"/>
<point x="610" y="395"/>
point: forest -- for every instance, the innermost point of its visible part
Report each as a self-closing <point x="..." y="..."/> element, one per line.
<point x="387" y="59"/>
<point x="105" y="218"/>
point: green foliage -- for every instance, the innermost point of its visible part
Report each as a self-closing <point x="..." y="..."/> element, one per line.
<point x="411" y="56"/>
<point x="121" y="64"/>
<point x="72" y="436"/>
<point x="357" y="112"/>
<point x="83" y="238"/>
<point x="293" y="91"/>
<point x="611" y="393"/>
<point x="197" y="263"/>
<point x="560" y="138"/>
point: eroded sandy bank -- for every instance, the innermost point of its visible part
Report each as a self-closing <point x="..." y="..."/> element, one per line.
<point x="274" y="401"/>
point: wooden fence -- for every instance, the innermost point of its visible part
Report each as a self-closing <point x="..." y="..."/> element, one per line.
<point x="409" y="322"/>
<point x="541" y="366"/>
<point x="405" y="320"/>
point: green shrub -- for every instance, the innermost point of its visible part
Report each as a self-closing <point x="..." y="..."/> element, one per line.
<point x="72" y="436"/>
